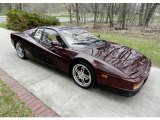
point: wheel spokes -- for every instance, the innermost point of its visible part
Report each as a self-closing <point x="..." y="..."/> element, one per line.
<point x="82" y="69"/>
<point x="86" y="77"/>
<point x="77" y="71"/>
<point x="81" y="75"/>
<point x="19" y="50"/>
<point x="83" y="81"/>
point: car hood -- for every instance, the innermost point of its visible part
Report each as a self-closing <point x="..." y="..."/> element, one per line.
<point x="125" y="59"/>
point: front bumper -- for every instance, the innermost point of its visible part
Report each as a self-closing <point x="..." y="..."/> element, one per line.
<point x="126" y="93"/>
<point x="135" y="91"/>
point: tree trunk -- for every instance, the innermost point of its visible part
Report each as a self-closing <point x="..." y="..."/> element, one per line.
<point x="20" y="6"/>
<point x="124" y="15"/>
<point x="84" y="18"/>
<point x="120" y="13"/>
<point x="69" y="9"/>
<point x="9" y="5"/>
<point x="141" y="14"/>
<point x="1" y="7"/>
<point x="107" y="17"/>
<point x="147" y="8"/>
<point x="129" y="14"/>
<point x="107" y="13"/>
<point x="150" y="14"/>
<point x="70" y="12"/>
<point x="95" y="14"/>
<point x="77" y="13"/>
<point x="110" y="7"/>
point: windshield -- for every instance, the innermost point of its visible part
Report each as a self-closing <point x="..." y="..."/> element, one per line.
<point x="77" y="36"/>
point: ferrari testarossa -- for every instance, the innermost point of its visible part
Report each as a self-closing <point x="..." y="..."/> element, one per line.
<point x="87" y="58"/>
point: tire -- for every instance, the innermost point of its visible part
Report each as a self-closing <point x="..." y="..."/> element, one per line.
<point x="83" y="74"/>
<point x="20" y="50"/>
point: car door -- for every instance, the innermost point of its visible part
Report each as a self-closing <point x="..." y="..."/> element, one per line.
<point x="62" y="56"/>
<point x="50" y="50"/>
<point x="35" y="50"/>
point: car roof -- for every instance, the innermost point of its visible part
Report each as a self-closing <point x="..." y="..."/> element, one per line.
<point x="59" y="28"/>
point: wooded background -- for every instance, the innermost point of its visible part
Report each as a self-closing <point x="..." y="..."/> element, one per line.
<point x="116" y="15"/>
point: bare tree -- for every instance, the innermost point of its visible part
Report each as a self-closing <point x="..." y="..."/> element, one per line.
<point x="107" y="13"/>
<point x="84" y="9"/>
<point x="95" y="11"/>
<point x="77" y="13"/>
<point x="102" y="12"/>
<point x="150" y="13"/>
<point x="111" y="6"/>
<point x="120" y="11"/>
<point x="146" y="13"/>
<point x="141" y="14"/>
<point x="124" y="15"/>
<point x="20" y="6"/>
<point x="1" y="7"/>
<point x="69" y="9"/>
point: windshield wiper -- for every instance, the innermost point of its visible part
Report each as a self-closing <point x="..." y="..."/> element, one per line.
<point x="96" y="41"/>
<point x="91" y="39"/>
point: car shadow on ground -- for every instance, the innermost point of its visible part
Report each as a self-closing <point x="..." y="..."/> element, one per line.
<point x="98" y="89"/>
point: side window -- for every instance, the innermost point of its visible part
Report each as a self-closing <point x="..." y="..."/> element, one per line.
<point x="50" y="35"/>
<point x="38" y="34"/>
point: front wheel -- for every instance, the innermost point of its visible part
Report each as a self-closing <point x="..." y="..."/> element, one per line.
<point x="20" y="50"/>
<point x="83" y="75"/>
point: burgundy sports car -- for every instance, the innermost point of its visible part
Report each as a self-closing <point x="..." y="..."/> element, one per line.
<point x="87" y="58"/>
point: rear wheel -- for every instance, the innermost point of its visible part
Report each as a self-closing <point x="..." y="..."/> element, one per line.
<point x="20" y="50"/>
<point x="83" y="75"/>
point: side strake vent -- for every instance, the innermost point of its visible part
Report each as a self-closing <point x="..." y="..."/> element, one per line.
<point x="40" y="54"/>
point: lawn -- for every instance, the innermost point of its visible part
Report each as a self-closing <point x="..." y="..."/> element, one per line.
<point x="2" y="14"/>
<point x="3" y="25"/>
<point x="149" y="47"/>
<point x="11" y="105"/>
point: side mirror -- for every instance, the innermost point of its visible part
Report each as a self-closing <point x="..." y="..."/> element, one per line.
<point x="59" y="39"/>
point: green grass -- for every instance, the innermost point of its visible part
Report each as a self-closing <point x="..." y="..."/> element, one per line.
<point x="3" y="25"/>
<point x="89" y="15"/>
<point x="10" y="105"/>
<point x="2" y="14"/>
<point x="150" y="48"/>
<point x="63" y="15"/>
